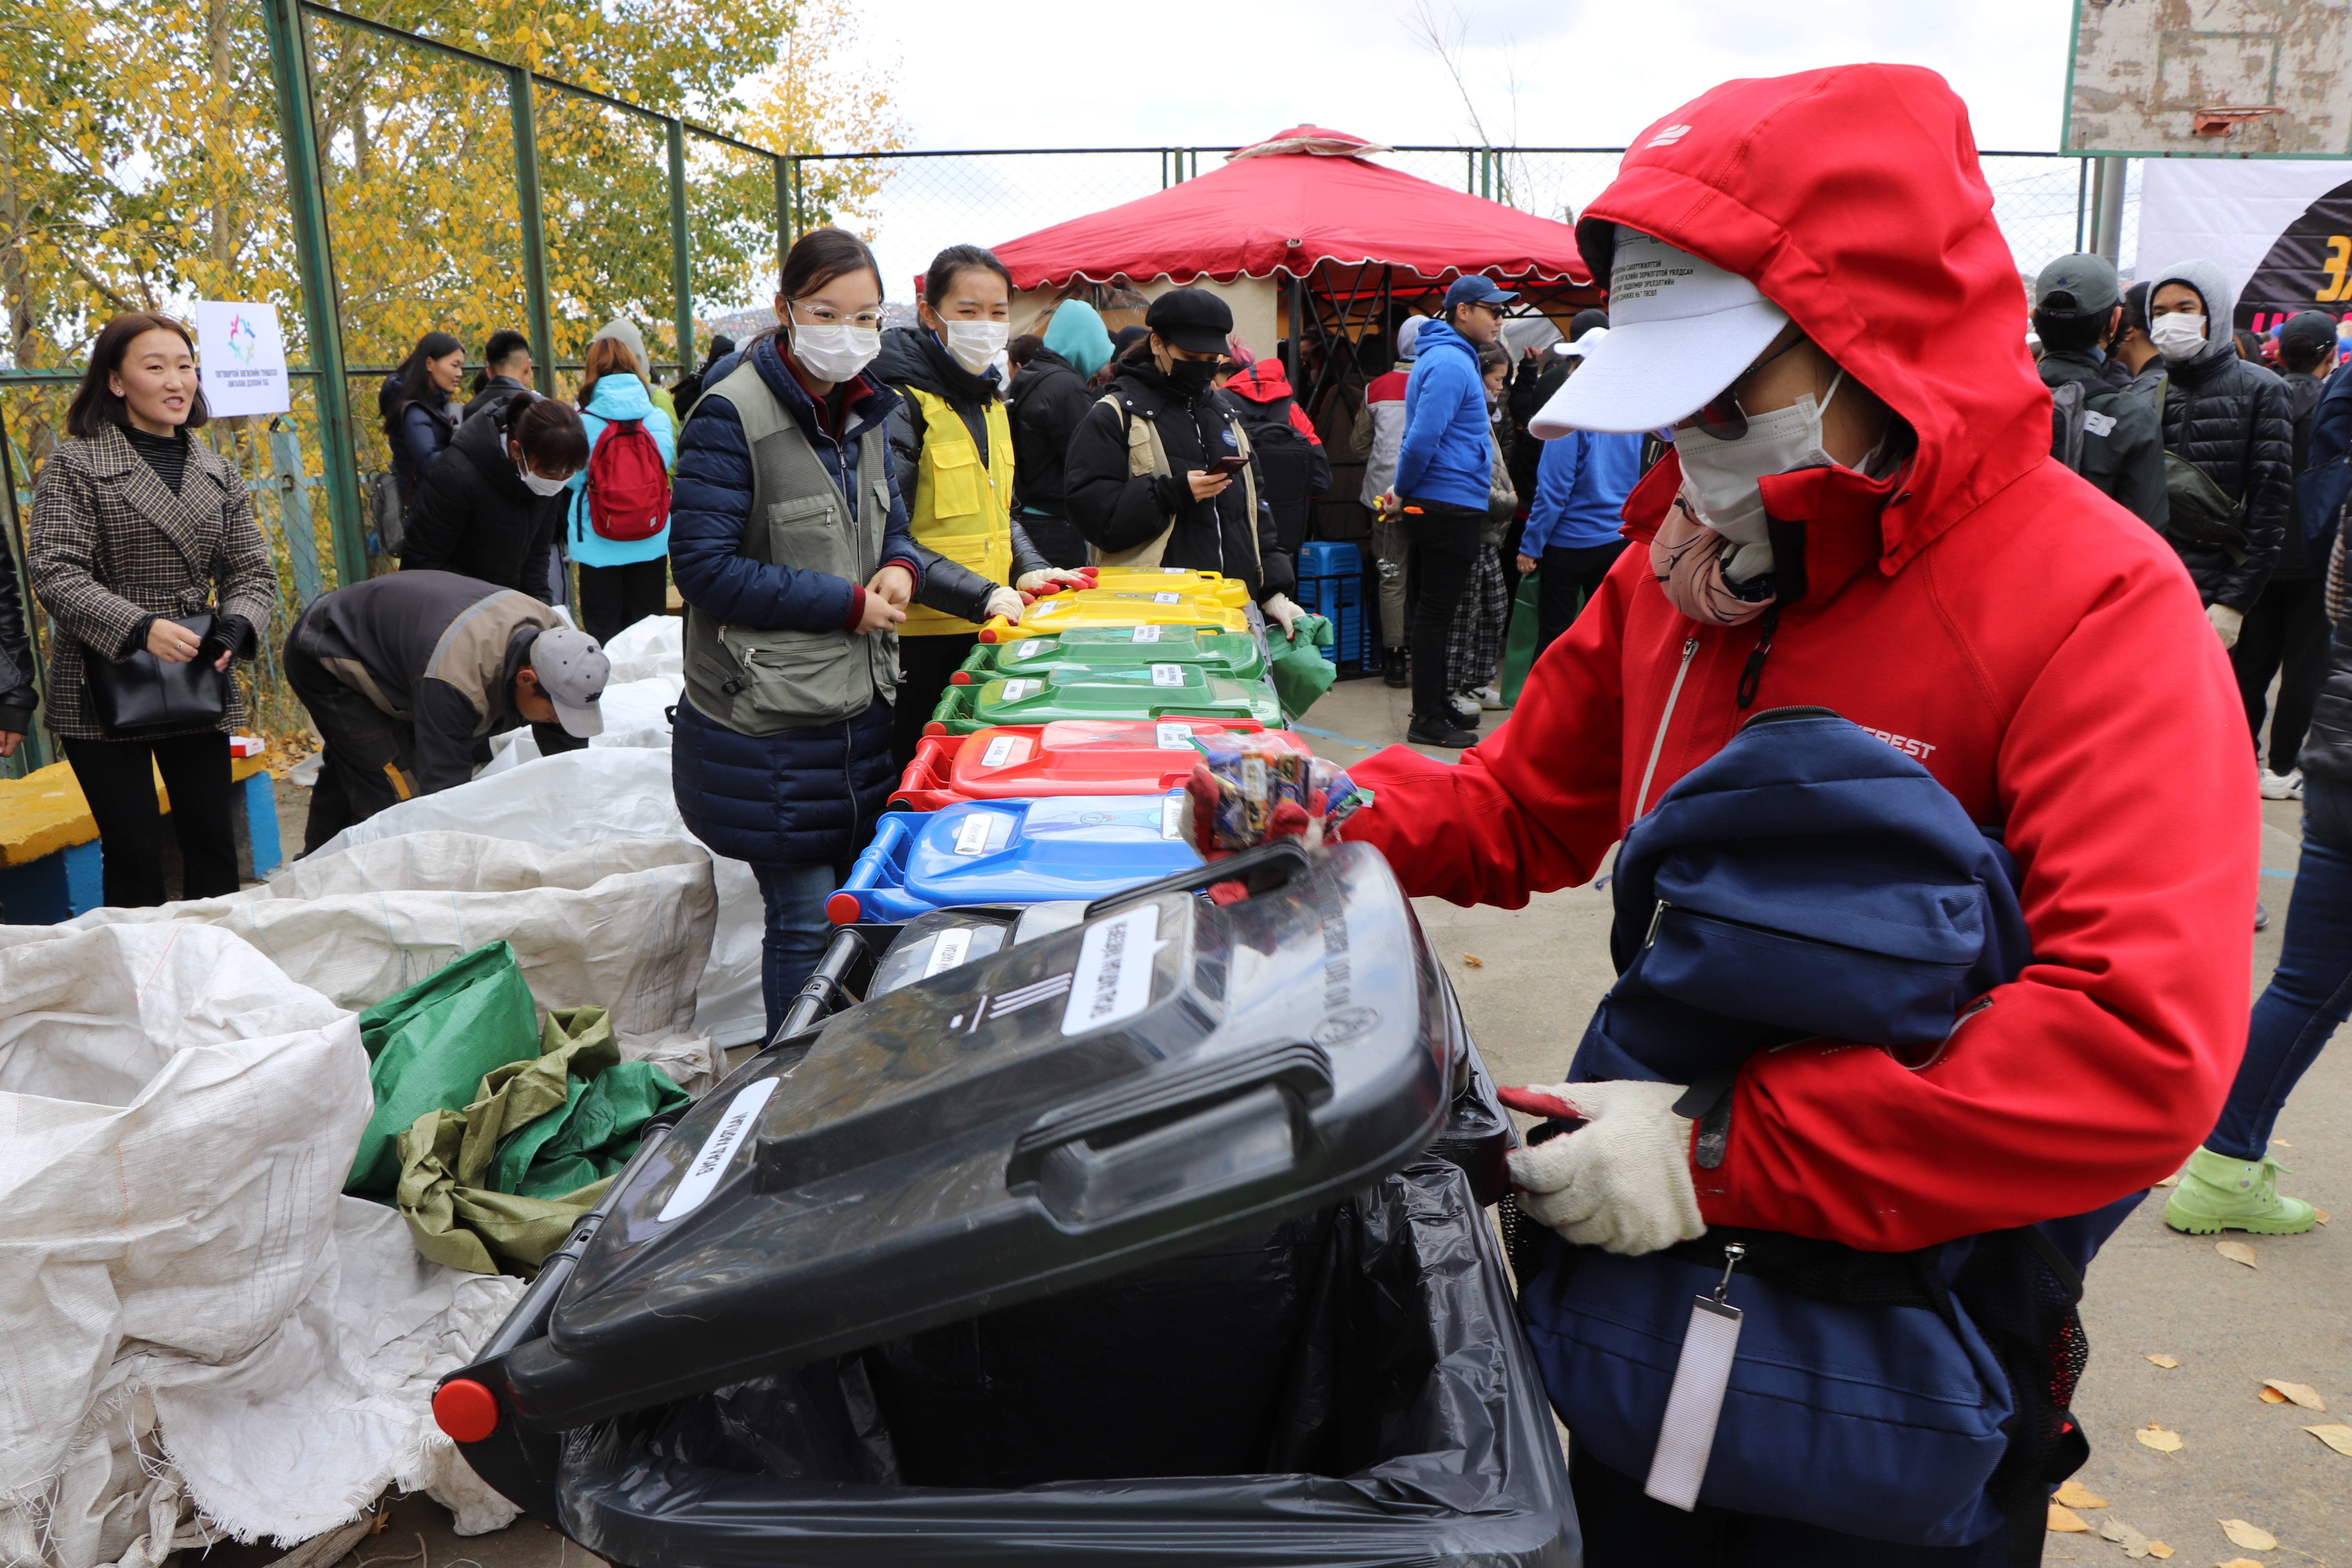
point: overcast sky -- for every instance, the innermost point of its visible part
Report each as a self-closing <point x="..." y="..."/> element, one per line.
<point x="1587" y="74"/>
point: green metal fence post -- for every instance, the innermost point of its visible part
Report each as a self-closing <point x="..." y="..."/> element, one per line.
<point x="681" y="278"/>
<point x="783" y="212"/>
<point x="534" y="229"/>
<point x="290" y="75"/>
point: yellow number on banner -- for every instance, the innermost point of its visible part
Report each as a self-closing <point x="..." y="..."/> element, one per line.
<point x="2339" y="257"/>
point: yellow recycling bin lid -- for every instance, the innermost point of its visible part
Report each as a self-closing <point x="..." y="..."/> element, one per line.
<point x="1117" y="607"/>
<point x="1230" y="592"/>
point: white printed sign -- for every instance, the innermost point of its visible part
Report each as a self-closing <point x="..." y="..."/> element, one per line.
<point x="1113" y="980"/>
<point x="1167" y="598"/>
<point x="1167" y="675"/>
<point x="1171" y="816"/>
<point x="971" y="833"/>
<point x="1173" y="737"/>
<point x="1147" y="633"/>
<point x="242" y="358"/>
<point x="734" y="1130"/>
<point x="949" y="948"/>
<point x="1005" y="750"/>
<point x="1015" y="690"/>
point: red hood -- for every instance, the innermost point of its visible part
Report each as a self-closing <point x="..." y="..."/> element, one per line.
<point x="1852" y="198"/>
<point x="1261" y="382"/>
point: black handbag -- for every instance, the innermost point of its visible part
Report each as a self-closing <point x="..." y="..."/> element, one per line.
<point x="142" y="694"/>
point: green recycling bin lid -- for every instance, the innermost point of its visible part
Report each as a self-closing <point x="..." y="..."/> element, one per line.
<point x="1139" y="691"/>
<point x="1237" y="656"/>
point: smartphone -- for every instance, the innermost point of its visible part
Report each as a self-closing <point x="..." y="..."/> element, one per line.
<point x="1228" y="465"/>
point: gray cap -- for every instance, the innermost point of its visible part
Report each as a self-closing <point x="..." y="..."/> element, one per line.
<point x="2309" y="326"/>
<point x="2080" y="285"/>
<point x="572" y="669"/>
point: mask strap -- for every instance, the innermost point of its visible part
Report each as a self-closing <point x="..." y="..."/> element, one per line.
<point x="1835" y="381"/>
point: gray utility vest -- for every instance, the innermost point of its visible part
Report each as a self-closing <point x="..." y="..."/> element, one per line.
<point x="766" y="682"/>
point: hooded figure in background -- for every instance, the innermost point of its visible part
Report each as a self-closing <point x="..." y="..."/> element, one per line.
<point x="1861" y="513"/>
<point x="1053" y="394"/>
<point x="2229" y="419"/>
<point x="1380" y="431"/>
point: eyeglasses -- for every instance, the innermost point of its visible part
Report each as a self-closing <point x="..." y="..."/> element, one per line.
<point x="1721" y="416"/>
<point x="824" y="316"/>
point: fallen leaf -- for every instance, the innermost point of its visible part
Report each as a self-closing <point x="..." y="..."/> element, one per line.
<point x="2303" y="1394"/>
<point x="2282" y="1142"/>
<point x="2065" y="1520"/>
<point x="2158" y="1549"/>
<point x="1472" y="960"/>
<point x="2270" y="1396"/>
<point x="2252" y="1536"/>
<point x="2133" y="1543"/>
<point x="2162" y="1439"/>
<point x="2075" y="1494"/>
<point x="2319" y="1217"/>
<point x="2173" y="1180"/>
<point x="2237" y="1252"/>
<point x="2241" y="1562"/>
<point x="2166" y="1362"/>
<point x="2336" y="1434"/>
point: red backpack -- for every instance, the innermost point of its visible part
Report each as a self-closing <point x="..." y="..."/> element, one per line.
<point x="628" y="488"/>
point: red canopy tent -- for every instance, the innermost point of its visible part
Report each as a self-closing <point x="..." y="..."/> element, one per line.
<point x="1344" y="239"/>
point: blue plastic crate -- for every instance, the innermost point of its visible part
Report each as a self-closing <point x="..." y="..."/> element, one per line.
<point x="1330" y="558"/>
<point x="1341" y="601"/>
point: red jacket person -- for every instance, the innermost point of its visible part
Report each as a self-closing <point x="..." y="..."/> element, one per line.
<point x="1807" y="281"/>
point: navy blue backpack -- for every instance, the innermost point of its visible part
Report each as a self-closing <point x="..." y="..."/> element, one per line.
<point x="1811" y="881"/>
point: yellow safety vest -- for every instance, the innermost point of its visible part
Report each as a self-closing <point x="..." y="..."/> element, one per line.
<point x="961" y="508"/>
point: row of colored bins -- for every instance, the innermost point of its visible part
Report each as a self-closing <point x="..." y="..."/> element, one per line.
<point x="1236" y="656"/>
<point x="1138" y="691"/>
<point x="1331" y="584"/>
<point x="1012" y="852"/>
<point x="1067" y="757"/>
<point x="1059" y="613"/>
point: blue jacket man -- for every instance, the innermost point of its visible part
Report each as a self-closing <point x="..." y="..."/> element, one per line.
<point x="1444" y="473"/>
<point x="1572" y="533"/>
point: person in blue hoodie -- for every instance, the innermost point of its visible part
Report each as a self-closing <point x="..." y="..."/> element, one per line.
<point x="1582" y="483"/>
<point x="622" y="581"/>
<point x="1444" y="477"/>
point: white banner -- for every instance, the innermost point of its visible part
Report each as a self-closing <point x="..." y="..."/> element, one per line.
<point x="2282" y="231"/>
<point x="242" y="358"/>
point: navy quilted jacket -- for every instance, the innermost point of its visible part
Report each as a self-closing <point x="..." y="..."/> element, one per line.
<point x="803" y="796"/>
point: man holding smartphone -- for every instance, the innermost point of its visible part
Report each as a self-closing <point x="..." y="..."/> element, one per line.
<point x="1159" y="472"/>
<point x="1444" y="473"/>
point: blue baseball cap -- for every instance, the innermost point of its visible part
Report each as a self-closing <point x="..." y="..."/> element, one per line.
<point x="1476" y="289"/>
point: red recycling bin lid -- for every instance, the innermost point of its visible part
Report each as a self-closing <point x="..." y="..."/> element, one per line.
<point x="1069" y="756"/>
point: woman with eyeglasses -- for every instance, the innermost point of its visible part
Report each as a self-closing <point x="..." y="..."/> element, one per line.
<point x="789" y="543"/>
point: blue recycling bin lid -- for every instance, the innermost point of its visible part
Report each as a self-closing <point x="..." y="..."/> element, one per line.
<point x="1014" y="852"/>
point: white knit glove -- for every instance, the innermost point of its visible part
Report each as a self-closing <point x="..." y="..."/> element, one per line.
<point x="1622" y="1181"/>
<point x="2227" y="623"/>
<point x="1281" y="613"/>
<point x="1008" y="602"/>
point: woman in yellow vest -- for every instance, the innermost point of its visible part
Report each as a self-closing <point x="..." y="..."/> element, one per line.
<point x="951" y="445"/>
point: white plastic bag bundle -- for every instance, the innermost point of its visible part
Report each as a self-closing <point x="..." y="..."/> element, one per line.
<point x="650" y="648"/>
<point x="189" y="1310"/>
<point x="621" y="923"/>
<point x="588" y="797"/>
<point x="635" y="714"/>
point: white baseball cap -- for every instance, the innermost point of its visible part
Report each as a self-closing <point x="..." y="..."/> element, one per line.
<point x="1582" y="346"/>
<point x="1680" y="331"/>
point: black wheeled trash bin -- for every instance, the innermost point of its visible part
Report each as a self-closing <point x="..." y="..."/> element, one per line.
<point x="1128" y="1244"/>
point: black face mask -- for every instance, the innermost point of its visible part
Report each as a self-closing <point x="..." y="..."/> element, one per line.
<point x="1191" y="376"/>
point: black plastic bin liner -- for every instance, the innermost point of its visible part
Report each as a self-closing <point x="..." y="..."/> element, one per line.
<point x="1409" y="1428"/>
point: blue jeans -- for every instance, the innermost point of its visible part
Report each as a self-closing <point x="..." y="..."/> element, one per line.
<point x="2311" y="993"/>
<point x="797" y="929"/>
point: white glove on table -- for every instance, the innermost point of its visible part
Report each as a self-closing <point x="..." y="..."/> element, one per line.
<point x="2227" y="623"/>
<point x="1622" y="1181"/>
<point x="1006" y="602"/>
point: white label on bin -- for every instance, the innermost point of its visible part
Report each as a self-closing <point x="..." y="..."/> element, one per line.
<point x="1172" y="816"/>
<point x="971" y="833"/>
<point x="1030" y="650"/>
<point x="734" y="1130"/>
<point x="1015" y="690"/>
<point x="1147" y="633"/>
<point x="1167" y="598"/>
<point x="1113" y="980"/>
<point x="1173" y="737"/>
<point x="1167" y="675"/>
<point x="1005" y="750"/>
<point x="949" y="948"/>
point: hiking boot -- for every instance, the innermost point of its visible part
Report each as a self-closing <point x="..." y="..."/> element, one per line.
<point x="2217" y="1192"/>
<point x="1392" y="669"/>
<point x="1438" y="732"/>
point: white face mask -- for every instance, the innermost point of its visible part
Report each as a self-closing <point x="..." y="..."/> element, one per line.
<point x="835" y="353"/>
<point x="2178" y="336"/>
<point x="1719" y="476"/>
<point x="538" y="485"/>
<point x="975" y="345"/>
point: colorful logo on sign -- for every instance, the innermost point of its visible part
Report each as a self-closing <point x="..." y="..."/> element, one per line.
<point x="243" y="340"/>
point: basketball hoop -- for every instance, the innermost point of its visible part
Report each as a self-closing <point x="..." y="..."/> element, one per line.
<point x="2222" y="119"/>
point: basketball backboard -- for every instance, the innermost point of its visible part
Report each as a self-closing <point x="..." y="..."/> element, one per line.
<point x="2254" y="78"/>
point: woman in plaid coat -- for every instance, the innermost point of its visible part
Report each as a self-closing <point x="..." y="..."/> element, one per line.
<point x="133" y="523"/>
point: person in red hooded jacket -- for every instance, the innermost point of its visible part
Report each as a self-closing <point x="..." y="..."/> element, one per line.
<point x="1861" y="513"/>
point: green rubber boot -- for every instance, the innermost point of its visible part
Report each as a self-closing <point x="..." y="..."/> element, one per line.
<point x="2217" y="1192"/>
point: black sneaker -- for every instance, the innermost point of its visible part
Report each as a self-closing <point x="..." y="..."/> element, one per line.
<point x="1440" y="731"/>
<point x="1392" y="671"/>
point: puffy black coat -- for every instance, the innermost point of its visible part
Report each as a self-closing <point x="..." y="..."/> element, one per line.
<point x="1117" y="509"/>
<point x="1049" y="397"/>
<point x="475" y="516"/>
<point x="2232" y="419"/>
<point x="17" y="695"/>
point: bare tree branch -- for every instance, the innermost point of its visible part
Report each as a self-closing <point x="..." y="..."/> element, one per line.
<point x="1446" y="34"/>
